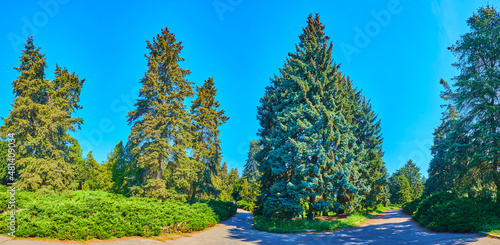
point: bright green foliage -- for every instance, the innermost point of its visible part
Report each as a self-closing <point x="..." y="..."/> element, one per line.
<point x="400" y="190"/>
<point x="308" y="148"/>
<point x="251" y="169"/>
<point x="206" y="119"/>
<point x="225" y="182"/>
<point x="477" y="96"/>
<point x="161" y="125"/>
<point x="86" y="215"/>
<point x="406" y="184"/>
<point x="40" y="119"/>
<point x="97" y="177"/>
<point x="3" y="162"/>
<point x="118" y="164"/>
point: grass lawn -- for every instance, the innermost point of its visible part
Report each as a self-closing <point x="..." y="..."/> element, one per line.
<point x="328" y="223"/>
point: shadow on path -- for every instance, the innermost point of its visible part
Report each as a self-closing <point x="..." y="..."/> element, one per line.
<point x="391" y="228"/>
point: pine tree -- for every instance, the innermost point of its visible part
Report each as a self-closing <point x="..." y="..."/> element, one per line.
<point x="251" y="171"/>
<point x="206" y="119"/>
<point x="477" y="95"/>
<point x="41" y="118"/>
<point x="161" y="126"/>
<point x="308" y="147"/>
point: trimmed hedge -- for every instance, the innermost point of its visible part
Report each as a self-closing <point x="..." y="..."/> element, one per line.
<point x="86" y="215"/>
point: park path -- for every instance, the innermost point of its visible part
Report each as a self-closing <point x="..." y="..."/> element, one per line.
<point x="392" y="227"/>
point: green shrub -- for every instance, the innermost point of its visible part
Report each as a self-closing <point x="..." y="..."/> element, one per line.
<point x="248" y="206"/>
<point x="410" y="207"/>
<point x="85" y="215"/>
<point x="445" y="211"/>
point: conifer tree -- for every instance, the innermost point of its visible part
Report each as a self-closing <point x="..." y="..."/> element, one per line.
<point x="368" y="134"/>
<point x="117" y="162"/>
<point x="41" y="118"/>
<point x="3" y="162"/>
<point x="477" y="95"/>
<point x="251" y="171"/>
<point x="442" y="176"/>
<point x="308" y="148"/>
<point x="402" y="192"/>
<point x="161" y="126"/>
<point x="206" y="118"/>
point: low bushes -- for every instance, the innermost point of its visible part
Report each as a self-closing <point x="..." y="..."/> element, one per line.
<point x="248" y="206"/>
<point x="446" y="211"/>
<point x="410" y="207"/>
<point x="85" y="215"/>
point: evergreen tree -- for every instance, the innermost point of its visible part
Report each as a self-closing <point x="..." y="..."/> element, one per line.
<point x="117" y="162"/>
<point x="368" y="134"/>
<point x="441" y="174"/>
<point x="251" y="171"/>
<point x="41" y="118"/>
<point x="97" y="177"/>
<point x="206" y="119"/>
<point x="3" y="162"/>
<point x="406" y="184"/>
<point x="308" y="148"/>
<point x="74" y="157"/>
<point x="476" y="95"/>
<point x="161" y="127"/>
<point x="225" y="182"/>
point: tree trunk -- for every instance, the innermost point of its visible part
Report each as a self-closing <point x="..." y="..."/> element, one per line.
<point x="325" y="213"/>
<point x="310" y="215"/>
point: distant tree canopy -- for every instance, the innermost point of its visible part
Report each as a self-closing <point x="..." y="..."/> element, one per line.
<point x="467" y="143"/>
<point x="406" y="184"/>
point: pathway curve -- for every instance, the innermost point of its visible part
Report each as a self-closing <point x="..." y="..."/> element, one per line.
<point x="393" y="227"/>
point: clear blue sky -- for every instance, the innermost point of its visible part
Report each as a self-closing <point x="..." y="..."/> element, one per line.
<point x="242" y="43"/>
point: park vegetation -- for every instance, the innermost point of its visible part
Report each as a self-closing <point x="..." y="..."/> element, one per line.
<point x="462" y="192"/>
<point x="318" y="152"/>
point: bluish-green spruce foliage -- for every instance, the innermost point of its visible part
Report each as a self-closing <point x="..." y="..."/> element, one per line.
<point x="309" y="153"/>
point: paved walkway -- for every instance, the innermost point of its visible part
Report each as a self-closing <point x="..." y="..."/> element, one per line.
<point x="391" y="228"/>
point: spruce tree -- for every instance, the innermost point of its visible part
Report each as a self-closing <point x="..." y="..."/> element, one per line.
<point x="117" y="162"/>
<point x="206" y="118"/>
<point x="161" y="126"/>
<point x="41" y="118"/>
<point x="409" y="173"/>
<point x="308" y="147"/>
<point x="251" y="171"/>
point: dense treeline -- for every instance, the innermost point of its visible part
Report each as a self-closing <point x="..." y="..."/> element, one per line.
<point x="173" y="151"/>
<point x="464" y="173"/>
<point x="320" y="141"/>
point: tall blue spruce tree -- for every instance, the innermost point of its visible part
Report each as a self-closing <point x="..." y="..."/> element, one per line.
<point x="309" y="152"/>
